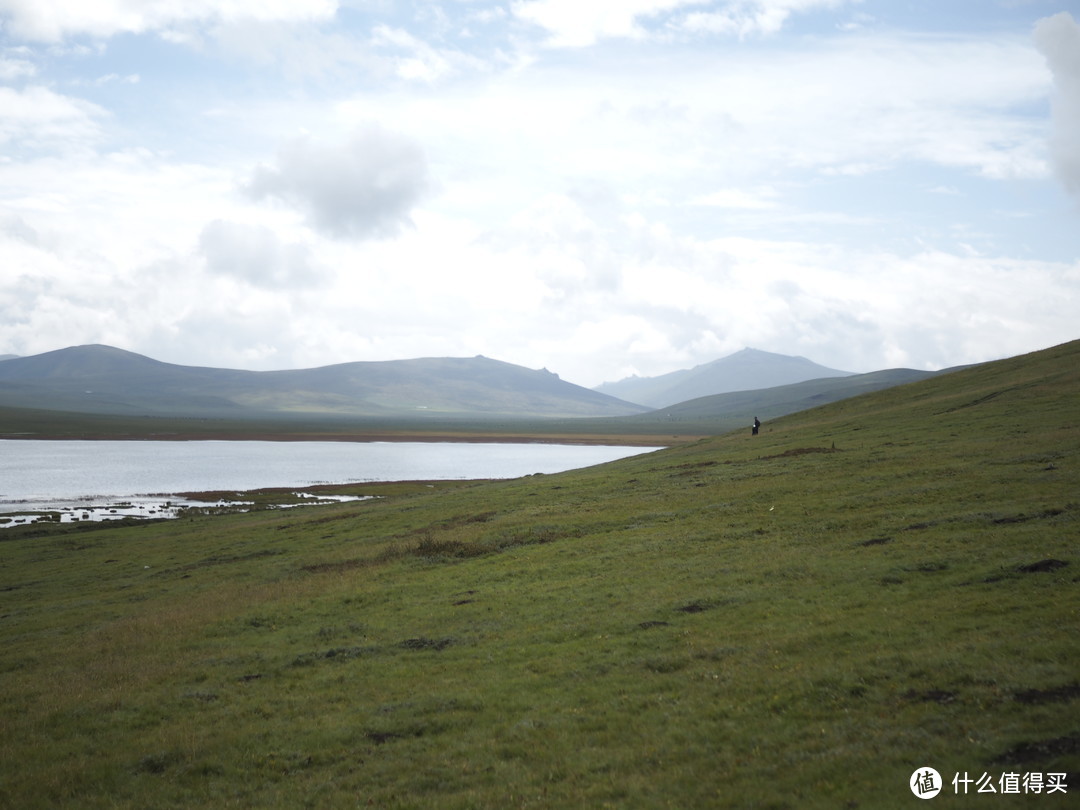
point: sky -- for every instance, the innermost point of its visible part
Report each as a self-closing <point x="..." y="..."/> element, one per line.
<point x="601" y="188"/>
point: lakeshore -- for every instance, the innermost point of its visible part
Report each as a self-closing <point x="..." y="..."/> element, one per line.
<point x="795" y="619"/>
<point x="22" y="423"/>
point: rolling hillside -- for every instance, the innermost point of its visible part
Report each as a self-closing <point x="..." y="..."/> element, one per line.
<point x="721" y="413"/>
<point x="104" y="380"/>
<point x="799" y="619"/>
<point x="746" y="370"/>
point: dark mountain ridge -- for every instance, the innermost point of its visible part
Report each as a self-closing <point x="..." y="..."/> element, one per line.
<point x="104" y="379"/>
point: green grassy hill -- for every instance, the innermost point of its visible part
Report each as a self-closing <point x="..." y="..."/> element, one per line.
<point x="794" y="620"/>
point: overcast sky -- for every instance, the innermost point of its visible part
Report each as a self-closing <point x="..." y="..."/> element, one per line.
<point x="599" y="187"/>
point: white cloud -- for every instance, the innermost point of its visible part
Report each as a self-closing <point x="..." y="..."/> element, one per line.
<point x="414" y="59"/>
<point x="37" y="116"/>
<point x="364" y="187"/>
<point x="421" y="62"/>
<point x="573" y="23"/>
<point x="55" y="20"/>
<point x="756" y="200"/>
<point x="875" y="102"/>
<point x="669" y="301"/>
<point x="694" y="122"/>
<point x="556" y="288"/>
<point x="744" y="18"/>
<point x="255" y="254"/>
<point x="638" y="207"/>
<point x="108" y="78"/>
<point x="296" y="51"/>
<point x="11" y="69"/>
<point x="1058" y="39"/>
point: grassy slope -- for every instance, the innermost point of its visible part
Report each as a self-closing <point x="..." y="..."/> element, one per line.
<point x="721" y="413"/>
<point x="798" y="619"/>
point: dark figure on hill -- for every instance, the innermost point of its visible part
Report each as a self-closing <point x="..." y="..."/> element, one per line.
<point x="754" y="429"/>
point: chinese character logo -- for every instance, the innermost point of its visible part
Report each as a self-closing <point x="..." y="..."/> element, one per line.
<point x="925" y="783"/>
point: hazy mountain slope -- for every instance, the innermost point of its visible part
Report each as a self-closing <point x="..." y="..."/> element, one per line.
<point x="723" y="412"/>
<point x="769" y="403"/>
<point x="102" y="379"/>
<point x="745" y="370"/>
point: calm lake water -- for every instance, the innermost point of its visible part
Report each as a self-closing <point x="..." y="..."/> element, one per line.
<point x="54" y="474"/>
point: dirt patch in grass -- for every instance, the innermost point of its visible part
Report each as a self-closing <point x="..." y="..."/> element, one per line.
<point x="383" y="737"/>
<point x="431" y="548"/>
<point x="1046" y="566"/>
<point x="335" y="654"/>
<point x="1042" y="566"/>
<point x="692" y="467"/>
<point x="801" y="451"/>
<point x="930" y="566"/>
<point x="157" y="763"/>
<point x="335" y="567"/>
<point x="1040" y="751"/>
<point x="237" y="558"/>
<point x="1024" y="518"/>
<point x="875" y="541"/>
<point x="459" y="520"/>
<point x="421" y="643"/>
<point x="466" y="597"/>
<point x="1057" y="694"/>
<point x="939" y="696"/>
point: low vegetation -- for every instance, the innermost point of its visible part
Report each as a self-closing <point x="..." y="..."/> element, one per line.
<point x="797" y="619"/>
<point x="31" y="423"/>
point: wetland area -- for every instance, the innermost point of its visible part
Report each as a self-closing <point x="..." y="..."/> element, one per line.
<point x="69" y="481"/>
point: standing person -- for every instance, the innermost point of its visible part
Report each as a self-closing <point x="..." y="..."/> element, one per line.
<point x="754" y="429"/>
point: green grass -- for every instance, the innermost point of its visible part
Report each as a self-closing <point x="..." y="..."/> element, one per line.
<point x="31" y="423"/>
<point x="798" y="619"/>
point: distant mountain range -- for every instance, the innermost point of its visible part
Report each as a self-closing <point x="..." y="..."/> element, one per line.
<point x="105" y="380"/>
<point x="747" y="370"/>
<point x="720" y="413"/>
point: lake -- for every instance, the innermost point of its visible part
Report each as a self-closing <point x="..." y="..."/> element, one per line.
<point x="88" y="476"/>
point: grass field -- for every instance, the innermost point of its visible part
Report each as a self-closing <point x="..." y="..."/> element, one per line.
<point x="794" y="620"/>
<point x="25" y="423"/>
